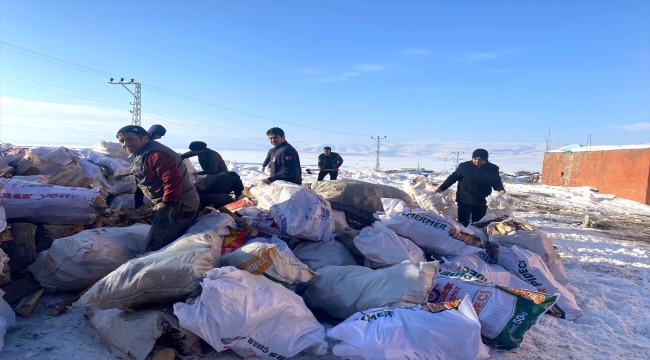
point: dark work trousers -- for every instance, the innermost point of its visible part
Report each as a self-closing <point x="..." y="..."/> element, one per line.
<point x="333" y="175"/>
<point x="163" y="235"/>
<point x="475" y="212"/>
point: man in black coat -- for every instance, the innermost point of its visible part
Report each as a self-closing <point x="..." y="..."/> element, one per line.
<point x="476" y="179"/>
<point x="284" y="160"/>
<point x="222" y="183"/>
<point x="211" y="162"/>
<point x="329" y="163"/>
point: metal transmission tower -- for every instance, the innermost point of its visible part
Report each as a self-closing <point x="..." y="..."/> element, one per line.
<point x="379" y="139"/>
<point x="136" y="117"/>
<point x="458" y="154"/>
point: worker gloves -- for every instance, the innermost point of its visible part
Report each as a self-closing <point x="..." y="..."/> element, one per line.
<point x="164" y="215"/>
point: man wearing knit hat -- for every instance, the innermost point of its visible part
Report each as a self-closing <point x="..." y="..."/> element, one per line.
<point x="161" y="175"/>
<point x="476" y="179"/>
<point x="211" y="161"/>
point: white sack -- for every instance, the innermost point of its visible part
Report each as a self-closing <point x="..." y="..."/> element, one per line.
<point x="482" y="267"/>
<point x="76" y="262"/>
<point x="430" y="331"/>
<point x="261" y="258"/>
<point x="215" y="221"/>
<point x="432" y="232"/>
<point x="118" y="166"/>
<point x="506" y="314"/>
<point x="44" y="204"/>
<point x="167" y="275"/>
<point x="499" y="204"/>
<point x="317" y="254"/>
<point x="537" y="242"/>
<point x="283" y="247"/>
<point x="298" y="211"/>
<point x="273" y="324"/>
<point x="95" y="172"/>
<point x="133" y="336"/>
<point x="124" y="185"/>
<point x="442" y="204"/>
<point x="531" y="268"/>
<point x="342" y="291"/>
<point x="382" y="247"/>
<point x="60" y="155"/>
<point x="111" y="149"/>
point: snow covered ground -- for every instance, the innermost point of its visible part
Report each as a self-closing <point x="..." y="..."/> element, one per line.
<point x="609" y="270"/>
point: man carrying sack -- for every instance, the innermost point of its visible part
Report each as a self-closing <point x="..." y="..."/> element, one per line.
<point x="163" y="178"/>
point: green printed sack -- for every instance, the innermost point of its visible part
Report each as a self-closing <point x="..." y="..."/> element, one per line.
<point x="505" y="314"/>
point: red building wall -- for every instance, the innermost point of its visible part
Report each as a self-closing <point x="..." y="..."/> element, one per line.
<point x="625" y="172"/>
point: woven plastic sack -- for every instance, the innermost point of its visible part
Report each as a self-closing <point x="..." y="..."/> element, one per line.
<point x="382" y="247"/>
<point x="342" y="291"/>
<point x="273" y="324"/>
<point x="297" y="210"/>
<point x="427" y="331"/>
<point x="167" y="275"/>
<point x="76" y="262"/>
<point x="531" y="268"/>
<point x="506" y="314"/>
<point x="430" y="231"/>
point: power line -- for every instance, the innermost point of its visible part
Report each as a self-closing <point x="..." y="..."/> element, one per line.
<point x="56" y="86"/>
<point x="147" y="107"/>
<point x="98" y="72"/>
<point x="157" y="117"/>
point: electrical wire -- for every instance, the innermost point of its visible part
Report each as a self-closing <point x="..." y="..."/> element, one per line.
<point x="98" y="72"/>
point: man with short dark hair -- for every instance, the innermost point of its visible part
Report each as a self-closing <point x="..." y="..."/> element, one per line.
<point x="476" y="179"/>
<point x="211" y="162"/>
<point x="283" y="159"/>
<point x="163" y="178"/>
<point x="329" y="163"/>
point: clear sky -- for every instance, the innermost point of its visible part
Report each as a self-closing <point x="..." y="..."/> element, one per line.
<point x="328" y="71"/>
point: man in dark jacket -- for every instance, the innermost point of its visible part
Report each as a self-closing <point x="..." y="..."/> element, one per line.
<point x="211" y="162"/>
<point x="161" y="175"/>
<point x="284" y="161"/>
<point x="329" y="163"/>
<point x="223" y="183"/>
<point x="476" y="179"/>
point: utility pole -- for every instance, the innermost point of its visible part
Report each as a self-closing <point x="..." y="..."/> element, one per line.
<point x="458" y="154"/>
<point x="136" y="117"/>
<point x="379" y="139"/>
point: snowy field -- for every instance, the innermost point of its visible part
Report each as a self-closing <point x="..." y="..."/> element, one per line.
<point x="609" y="270"/>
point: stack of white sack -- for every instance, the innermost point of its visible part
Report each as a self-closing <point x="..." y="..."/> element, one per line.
<point x="506" y="314"/>
<point x="443" y="204"/>
<point x="482" y="267"/>
<point x="76" y="262"/>
<point x="428" y="331"/>
<point x="167" y="275"/>
<point x="43" y="203"/>
<point x="433" y="233"/>
<point x="273" y="324"/>
<point x="520" y="233"/>
<point x="342" y="291"/>
<point x="382" y="247"/>
<point x="530" y="267"/>
<point x="297" y="211"/>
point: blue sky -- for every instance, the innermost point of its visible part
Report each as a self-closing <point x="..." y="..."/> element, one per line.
<point x="331" y="71"/>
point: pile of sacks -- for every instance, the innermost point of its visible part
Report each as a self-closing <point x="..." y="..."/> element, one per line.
<point x="409" y="282"/>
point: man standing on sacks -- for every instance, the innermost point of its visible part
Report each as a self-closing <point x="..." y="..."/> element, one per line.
<point x="476" y="179"/>
<point x="163" y="178"/>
